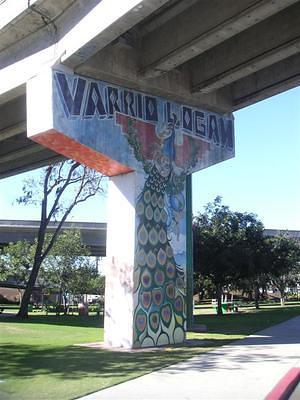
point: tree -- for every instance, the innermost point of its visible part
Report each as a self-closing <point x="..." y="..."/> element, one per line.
<point x="62" y="186"/>
<point x="284" y="263"/>
<point x="253" y="256"/>
<point x="256" y="278"/>
<point x="15" y="263"/>
<point x="212" y="242"/>
<point x="202" y="286"/>
<point x="97" y="285"/>
<point x="69" y="268"/>
<point x="224" y="245"/>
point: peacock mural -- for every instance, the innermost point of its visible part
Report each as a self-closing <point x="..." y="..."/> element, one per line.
<point x="159" y="282"/>
<point x="118" y="131"/>
<point x="159" y="275"/>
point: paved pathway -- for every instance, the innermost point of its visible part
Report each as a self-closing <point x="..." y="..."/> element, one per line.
<point x="247" y="369"/>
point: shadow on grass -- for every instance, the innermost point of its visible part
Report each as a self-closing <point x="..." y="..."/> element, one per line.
<point x="73" y="362"/>
<point x="77" y="363"/>
<point x="93" y="321"/>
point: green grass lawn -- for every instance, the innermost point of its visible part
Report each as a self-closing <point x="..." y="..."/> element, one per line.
<point x="39" y="360"/>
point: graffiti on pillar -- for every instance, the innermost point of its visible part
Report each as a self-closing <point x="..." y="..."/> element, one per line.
<point x="116" y="130"/>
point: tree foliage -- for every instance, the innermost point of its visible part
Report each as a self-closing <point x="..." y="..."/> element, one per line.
<point x="230" y="251"/>
<point x="69" y="268"/>
<point x="225" y="245"/>
<point x="284" y="259"/>
<point x="16" y="262"/>
<point x="61" y="187"/>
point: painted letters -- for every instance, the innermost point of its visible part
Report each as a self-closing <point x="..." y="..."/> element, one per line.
<point x="85" y="98"/>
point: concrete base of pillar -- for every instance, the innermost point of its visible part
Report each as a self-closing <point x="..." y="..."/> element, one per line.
<point x="145" y="273"/>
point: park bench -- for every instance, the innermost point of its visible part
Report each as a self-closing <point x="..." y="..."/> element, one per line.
<point x="227" y="307"/>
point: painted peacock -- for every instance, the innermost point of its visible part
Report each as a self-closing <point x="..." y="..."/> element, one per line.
<point x="159" y="283"/>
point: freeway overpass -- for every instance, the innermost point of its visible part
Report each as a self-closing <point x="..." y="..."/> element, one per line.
<point x="216" y="54"/>
<point x="93" y="235"/>
<point x="290" y="233"/>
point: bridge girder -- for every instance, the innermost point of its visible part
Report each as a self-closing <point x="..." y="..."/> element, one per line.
<point x="211" y="54"/>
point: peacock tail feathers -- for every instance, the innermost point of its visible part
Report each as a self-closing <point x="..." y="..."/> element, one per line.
<point x="159" y="315"/>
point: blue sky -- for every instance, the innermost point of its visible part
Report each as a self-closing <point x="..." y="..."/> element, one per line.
<point x="264" y="176"/>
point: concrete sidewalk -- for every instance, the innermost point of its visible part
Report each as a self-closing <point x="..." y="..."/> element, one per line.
<point x="247" y="369"/>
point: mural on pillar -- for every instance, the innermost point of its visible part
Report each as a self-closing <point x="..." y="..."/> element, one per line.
<point x="116" y="130"/>
<point x="159" y="271"/>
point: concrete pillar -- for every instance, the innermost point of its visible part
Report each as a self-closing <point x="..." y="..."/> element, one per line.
<point x="145" y="278"/>
<point x="120" y="252"/>
<point x="148" y="146"/>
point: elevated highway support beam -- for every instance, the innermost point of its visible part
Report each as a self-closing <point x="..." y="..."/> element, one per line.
<point x="148" y="146"/>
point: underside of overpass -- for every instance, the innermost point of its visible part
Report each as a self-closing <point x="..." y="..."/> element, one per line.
<point x="220" y="55"/>
<point x="92" y="235"/>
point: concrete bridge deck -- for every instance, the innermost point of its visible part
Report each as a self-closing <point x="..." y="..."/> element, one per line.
<point x="214" y="54"/>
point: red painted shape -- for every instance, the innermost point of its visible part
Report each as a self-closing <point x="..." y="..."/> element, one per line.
<point x="149" y="141"/>
<point x="62" y="144"/>
<point x="285" y="386"/>
<point x="191" y="146"/>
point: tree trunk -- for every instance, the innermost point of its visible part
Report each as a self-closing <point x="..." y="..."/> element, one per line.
<point x="264" y="293"/>
<point x="59" y="303"/>
<point x="250" y="295"/>
<point x="199" y="296"/>
<point x="23" y="311"/>
<point x="49" y="186"/>
<point x="219" y="300"/>
<point x="65" y="304"/>
<point x="42" y="298"/>
<point x="256" y="292"/>
<point x="281" y="288"/>
<point x="282" y="299"/>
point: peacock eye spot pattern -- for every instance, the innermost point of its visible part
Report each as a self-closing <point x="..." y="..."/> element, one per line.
<point x="159" y="313"/>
